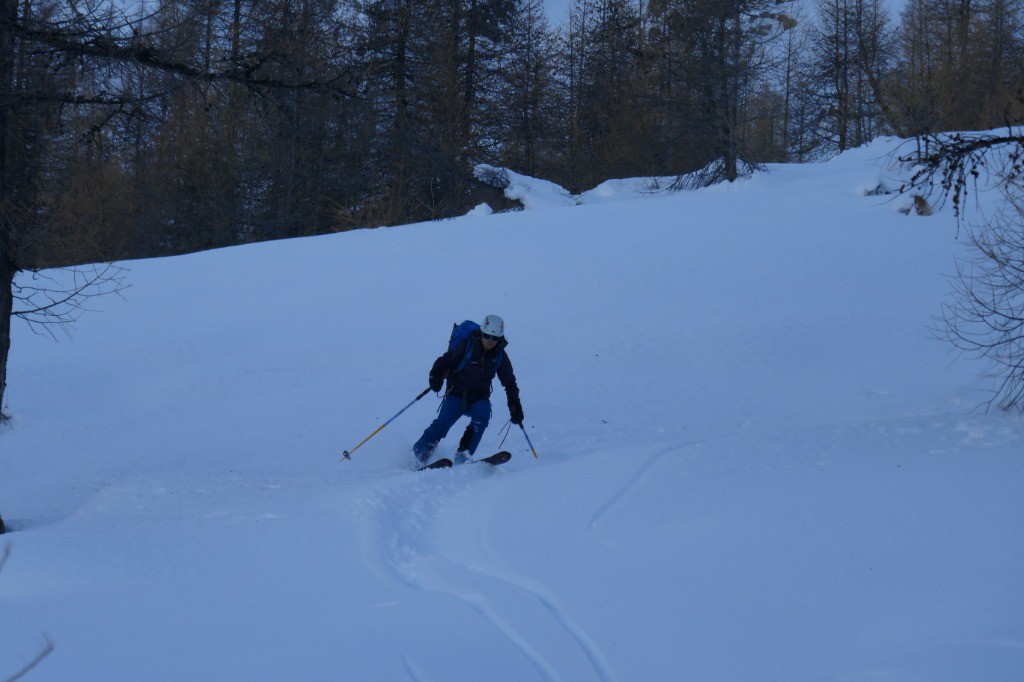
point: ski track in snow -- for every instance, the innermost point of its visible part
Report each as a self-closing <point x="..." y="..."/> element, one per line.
<point x="414" y="674"/>
<point x="616" y="500"/>
<point x="481" y="604"/>
<point x="542" y="596"/>
<point x="405" y="513"/>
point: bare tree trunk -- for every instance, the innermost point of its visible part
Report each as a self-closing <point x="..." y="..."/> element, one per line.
<point x="6" y="307"/>
<point x="730" y="59"/>
<point x="400" y="151"/>
<point x="8" y="15"/>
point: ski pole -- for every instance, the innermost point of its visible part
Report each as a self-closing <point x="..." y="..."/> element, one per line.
<point x="346" y="454"/>
<point x="528" y="441"/>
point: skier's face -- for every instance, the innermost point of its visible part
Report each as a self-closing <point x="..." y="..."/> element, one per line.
<point x="489" y="341"/>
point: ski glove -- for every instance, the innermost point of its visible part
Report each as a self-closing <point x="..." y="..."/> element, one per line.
<point x="515" y="411"/>
<point x="436" y="383"/>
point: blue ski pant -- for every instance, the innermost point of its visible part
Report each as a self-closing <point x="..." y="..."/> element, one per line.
<point x="451" y="409"/>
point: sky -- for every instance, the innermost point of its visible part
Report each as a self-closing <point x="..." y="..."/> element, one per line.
<point x="558" y="10"/>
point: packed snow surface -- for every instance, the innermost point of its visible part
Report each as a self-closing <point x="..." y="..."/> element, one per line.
<point x="755" y="460"/>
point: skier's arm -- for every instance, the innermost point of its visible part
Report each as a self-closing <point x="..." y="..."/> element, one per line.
<point x="507" y="377"/>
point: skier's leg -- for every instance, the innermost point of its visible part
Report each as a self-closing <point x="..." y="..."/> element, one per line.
<point x="451" y="410"/>
<point x="467" y="435"/>
<point x="480" y="416"/>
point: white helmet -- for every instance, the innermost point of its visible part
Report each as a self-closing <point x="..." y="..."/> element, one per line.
<point x="493" y="326"/>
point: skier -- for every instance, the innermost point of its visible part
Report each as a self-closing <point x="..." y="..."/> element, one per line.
<point x="469" y="389"/>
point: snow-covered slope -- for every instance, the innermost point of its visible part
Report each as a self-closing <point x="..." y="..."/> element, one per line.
<point x="755" y="461"/>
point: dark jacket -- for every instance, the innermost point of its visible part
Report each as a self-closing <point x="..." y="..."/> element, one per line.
<point x="474" y="380"/>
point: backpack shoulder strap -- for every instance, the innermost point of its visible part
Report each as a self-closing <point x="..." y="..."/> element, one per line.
<point x="466" y="355"/>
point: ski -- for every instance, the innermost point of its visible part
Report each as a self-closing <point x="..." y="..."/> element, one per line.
<point x="493" y="460"/>
<point x="442" y="463"/>
<point x="496" y="459"/>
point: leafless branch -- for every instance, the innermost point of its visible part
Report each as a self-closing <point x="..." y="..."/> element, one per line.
<point x="129" y="50"/>
<point x="954" y="162"/>
<point x="53" y="300"/>
<point x="986" y="315"/>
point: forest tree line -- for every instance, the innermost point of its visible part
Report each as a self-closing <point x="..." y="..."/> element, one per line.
<point x="161" y="127"/>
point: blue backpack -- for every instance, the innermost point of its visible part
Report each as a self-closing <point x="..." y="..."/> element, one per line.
<point x="461" y="332"/>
